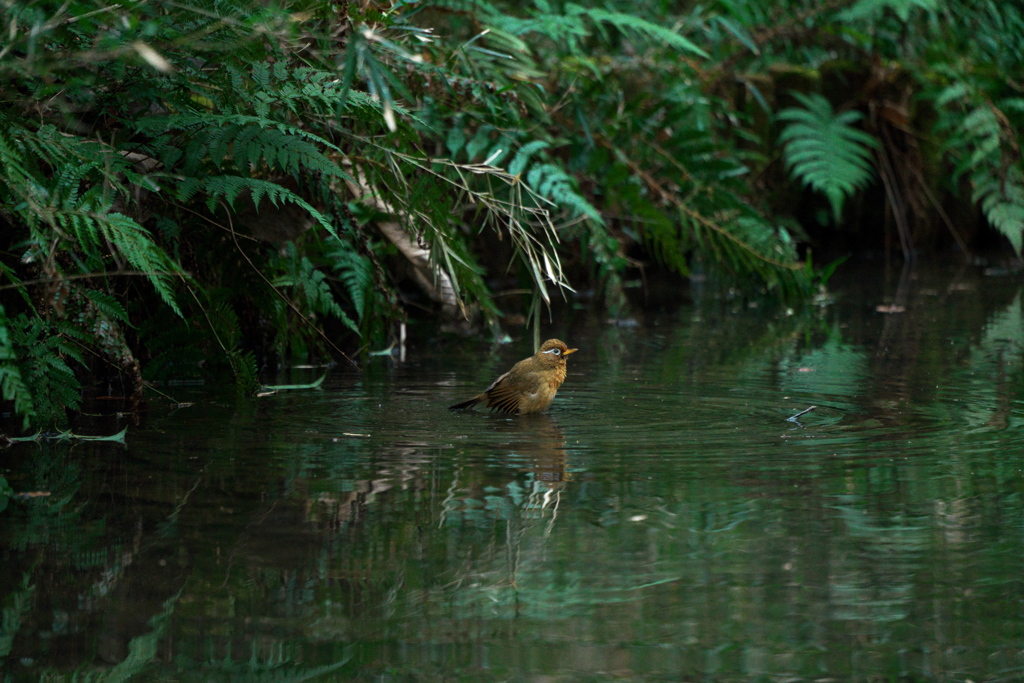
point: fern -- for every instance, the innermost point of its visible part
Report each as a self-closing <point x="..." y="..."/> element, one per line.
<point x="230" y="187"/>
<point x="570" y="28"/>
<point x="869" y="9"/>
<point x="478" y="143"/>
<point x="107" y="305"/>
<point x="522" y="157"/>
<point x="630" y="23"/>
<point x="12" y="386"/>
<point x="747" y="246"/>
<point x="554" y="184"/>
<point x="310" y="301"/>
<point x="304" y="87"/>
<point x="243" y="143"/>
<point x="76" y="200"/>
<point x="825" y="151"/>
<point x="182" y="349"/>
<point x="1002" y="200"/>
<point x="245" y="140"/>
<point x="129" y="238"/>
<point x="312" y="284"/>
<point x="43" y="349"/>
<point x="982" y="142"/>
<point x="356" y="272"/>
<point x="979" y="134"/>
<point x="243" y="366"/>
<point x="137" y="245"/>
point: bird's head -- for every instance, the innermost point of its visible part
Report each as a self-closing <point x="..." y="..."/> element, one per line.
<point x="554" y="351"/>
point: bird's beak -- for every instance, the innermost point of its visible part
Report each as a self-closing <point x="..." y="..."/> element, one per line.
<point x="568" y="351"/>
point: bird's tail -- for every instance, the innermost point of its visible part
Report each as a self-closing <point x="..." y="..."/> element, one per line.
<point x="468" y="403"/>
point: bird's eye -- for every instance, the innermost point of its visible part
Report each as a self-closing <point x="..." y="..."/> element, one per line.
<point x="554" y="351"/>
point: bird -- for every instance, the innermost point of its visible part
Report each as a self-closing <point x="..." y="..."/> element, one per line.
<point x="531" y="384"/>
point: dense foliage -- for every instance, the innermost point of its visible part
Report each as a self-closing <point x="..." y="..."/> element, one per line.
<point x="227" y="183"/>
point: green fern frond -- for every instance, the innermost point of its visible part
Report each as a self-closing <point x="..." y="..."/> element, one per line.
<point x="356" y="272"/>
<point x="561" y="29"/>
<point x="137" y="245"/>
<point x="661" y="236"/>
<point x="303" y="277"/>
<point x="456" y="140"/>
<point x="522" y="157"/>
<point x="76" y="198"/>
<point x="13" y="164"/>
<point x="1012" y="104"/>
<point x="42" y="348"/>
<point x="479" y="142"/>
<point x="129" y="239"/>
<point x="871" y="9"/>
<point x="245" y="140"/>
<point x="570" y="28"/>
<point x="12" y="386"/>
<point x="107" y="305"/>
<point x="179" y="346"/>
<point x="983" y="144"/>
<point x="748" y="245"/>
<point x="552" y="183"/>
<point x="630" y="23"/>
<point x="952" y="93"/>
<point x="243" y="366"/>
<point x="1002" y="200"/>
<point x="229" y="188"/>
<point x="825" y="151"/>
<point x="977" y="140"/>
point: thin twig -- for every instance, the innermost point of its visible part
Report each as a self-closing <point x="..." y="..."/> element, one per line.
<point x="165" y="395"/>
<point x="802" y="412"/>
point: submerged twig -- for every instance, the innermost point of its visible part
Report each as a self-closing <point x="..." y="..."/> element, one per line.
<point x="802" y="412"/>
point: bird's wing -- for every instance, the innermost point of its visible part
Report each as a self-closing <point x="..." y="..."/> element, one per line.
<point x="503" y="396"/>
<point x="504" y="399"/>
<point x="497" y="382"/>
<point x="500" y="395"/>
<point x="483" y="395"/>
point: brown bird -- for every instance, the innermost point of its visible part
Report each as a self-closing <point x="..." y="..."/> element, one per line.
<point x="531" y="384"/>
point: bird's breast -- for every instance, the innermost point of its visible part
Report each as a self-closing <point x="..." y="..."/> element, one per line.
<point x="556" y="378"/>
<point x="540" y="398"/>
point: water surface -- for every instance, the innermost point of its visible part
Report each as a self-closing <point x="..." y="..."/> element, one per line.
<point x="665" y="521"/>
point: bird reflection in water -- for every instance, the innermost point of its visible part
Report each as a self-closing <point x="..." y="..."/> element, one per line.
<point x="538" y="439"/>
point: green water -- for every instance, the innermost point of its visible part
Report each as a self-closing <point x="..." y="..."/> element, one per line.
<point x="665" y="521"/>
